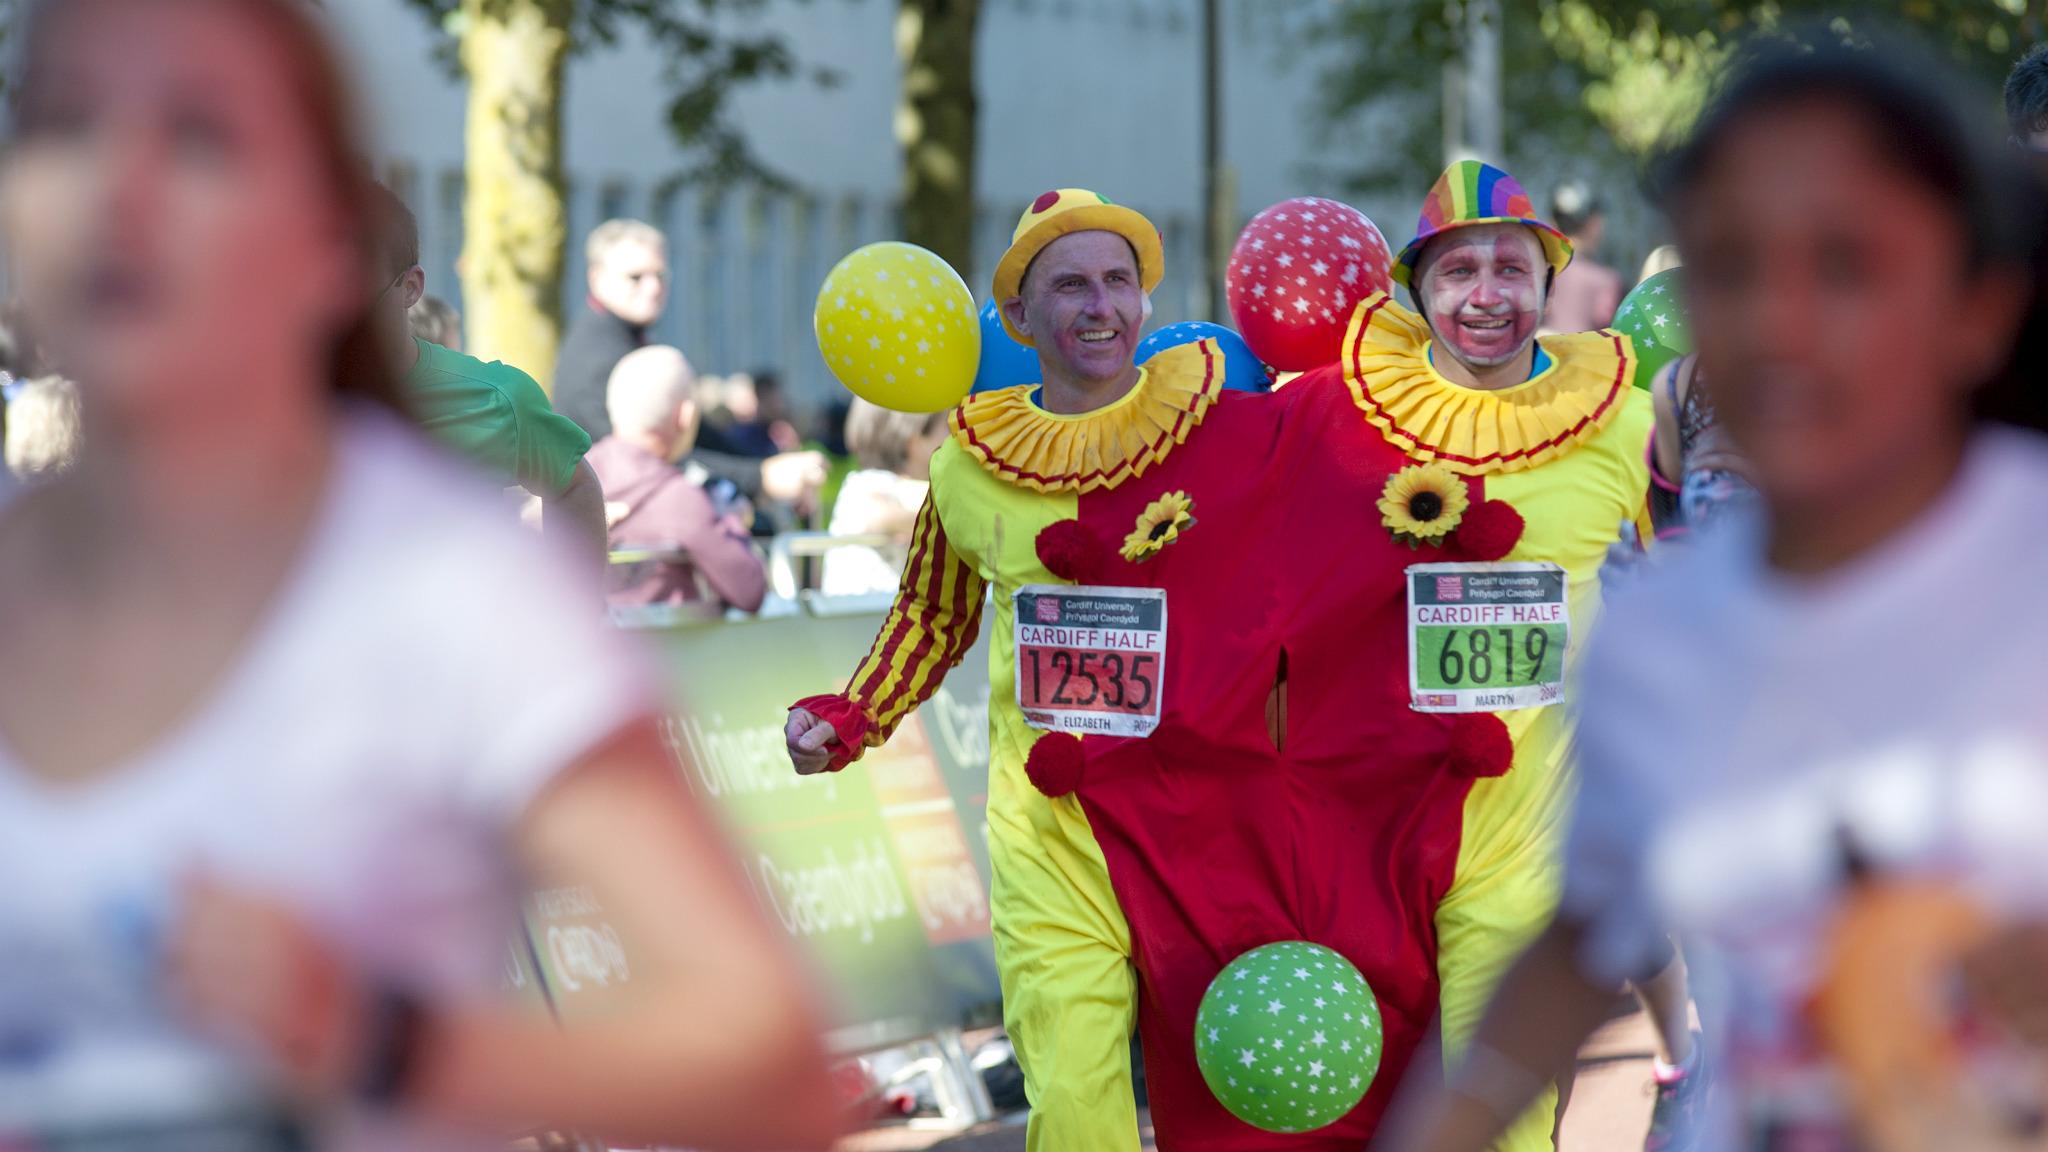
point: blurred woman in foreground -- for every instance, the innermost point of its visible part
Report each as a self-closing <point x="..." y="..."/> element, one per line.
<point x="1813" y="744"/>
<point x="287" y="710"/>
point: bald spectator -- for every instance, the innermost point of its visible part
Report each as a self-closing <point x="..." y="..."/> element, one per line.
<point x="1584" y="295"/>
<point x="628" y="283"/>
<point x="651" y="403"/>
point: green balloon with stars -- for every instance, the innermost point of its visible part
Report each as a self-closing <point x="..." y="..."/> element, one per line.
<point x="1288" y="1037"/>
<point x="1654" y="318"/>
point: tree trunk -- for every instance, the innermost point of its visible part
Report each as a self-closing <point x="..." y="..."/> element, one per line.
<point x="515" y="221"/>
<point x="935" y="125"/>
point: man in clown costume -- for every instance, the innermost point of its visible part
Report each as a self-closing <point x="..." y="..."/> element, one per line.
<point x="1075" y="285"/>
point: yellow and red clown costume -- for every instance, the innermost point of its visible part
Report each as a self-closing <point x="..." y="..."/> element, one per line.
<point x="1289" y="791"/>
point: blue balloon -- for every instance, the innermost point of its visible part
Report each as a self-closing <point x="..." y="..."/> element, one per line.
<point x="1242" y="371"/>
<point x="1004" y="362"/>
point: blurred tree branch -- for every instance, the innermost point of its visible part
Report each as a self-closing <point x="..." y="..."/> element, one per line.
<point x="1590" y="76"/>
<point x="513" y="54"/>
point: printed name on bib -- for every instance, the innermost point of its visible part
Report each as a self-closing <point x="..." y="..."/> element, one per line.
<point x="1091" y="660"/>
<point x="1487" y="637"/>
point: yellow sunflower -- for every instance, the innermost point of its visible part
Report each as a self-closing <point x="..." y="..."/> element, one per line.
<point x="1423" y="503"/>
<point x="1159" y="525"/>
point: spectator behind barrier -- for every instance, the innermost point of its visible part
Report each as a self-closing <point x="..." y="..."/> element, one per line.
<point x="1587" y="292"/>
<point x="652" y="406"/>
<point x="628" y="285"/>
<point x="437" y="322"/>
<point x="42" y="428"/>
<point x="752" y="417"/>
<point x="492" y="414"/>
<point x="894" y="451"/>
<point x="628" y="281"/>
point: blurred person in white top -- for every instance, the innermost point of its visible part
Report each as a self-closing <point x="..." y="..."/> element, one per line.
<point x="287" y="710"/>
<point x="1825" y="710"/>
<point x="880" y="498"/>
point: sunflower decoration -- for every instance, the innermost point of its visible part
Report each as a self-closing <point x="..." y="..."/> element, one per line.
<point x="1160" y="524"/>
<point x="1423" y="503"/>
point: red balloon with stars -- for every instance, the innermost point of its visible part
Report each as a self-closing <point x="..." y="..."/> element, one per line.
<point x="1298" y="270"/>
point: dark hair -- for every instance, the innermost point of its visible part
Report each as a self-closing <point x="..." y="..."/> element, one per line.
<point x="357" y="364"/>
<point x="1908" y="101"/>
<point x="1916" y="117"/>
<point x="397" y="233"/>
<point x="2026" y="94"/>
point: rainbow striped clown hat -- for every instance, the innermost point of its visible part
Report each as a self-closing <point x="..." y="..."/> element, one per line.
<point x="1069" y="210"/>
<point x="1474" y="192"/>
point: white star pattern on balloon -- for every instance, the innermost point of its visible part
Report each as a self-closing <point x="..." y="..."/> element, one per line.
<point x="1326" y="255"/>
<point x="1317" y="1069"/>
<point x="882" y="291"/>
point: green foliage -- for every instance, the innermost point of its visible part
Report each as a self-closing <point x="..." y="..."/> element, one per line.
<point x="1395" y="55"/>
<point x="708" y="50"/>
<point x="1618" y="76"/>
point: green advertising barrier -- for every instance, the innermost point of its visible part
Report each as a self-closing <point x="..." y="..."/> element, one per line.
<point x="880" y="872"/>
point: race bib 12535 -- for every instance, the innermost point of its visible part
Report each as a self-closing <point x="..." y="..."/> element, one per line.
<point x="1091" y="660"/>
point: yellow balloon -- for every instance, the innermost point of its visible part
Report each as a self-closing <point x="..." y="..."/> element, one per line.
<point x="897" y="326"/>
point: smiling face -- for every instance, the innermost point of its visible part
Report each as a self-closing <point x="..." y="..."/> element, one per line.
<point x="1082" y="304"/>
<point x="1482" y="287"/>
<point x="169" y="215"/>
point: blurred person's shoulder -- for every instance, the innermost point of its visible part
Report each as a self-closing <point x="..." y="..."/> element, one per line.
<point x="447" y="383"/>
<point x="428" y="521"/>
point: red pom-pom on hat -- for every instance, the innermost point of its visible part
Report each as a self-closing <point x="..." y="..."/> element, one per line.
<point x="1055" y="764"/>
<point x="1489" y="531"/>
<point x="1480" y="746"/>
<point x="1071" y="550"/>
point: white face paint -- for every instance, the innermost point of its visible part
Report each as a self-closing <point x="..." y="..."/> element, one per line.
<point x="1483" y="288"/>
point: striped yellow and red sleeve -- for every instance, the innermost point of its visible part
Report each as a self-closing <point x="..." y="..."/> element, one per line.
<point x="930" y="627"/>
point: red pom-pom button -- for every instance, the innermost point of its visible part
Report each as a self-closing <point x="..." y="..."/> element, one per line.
<point x="1071" y="550"/>
<point x="1480" y="746"/>
<point x="1489" y="531"/>
<point x="1055" y="764"/>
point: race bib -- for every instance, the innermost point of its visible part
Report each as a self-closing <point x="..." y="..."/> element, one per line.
<point x="1091" y="661"/>
<point x="1486" y="637"/>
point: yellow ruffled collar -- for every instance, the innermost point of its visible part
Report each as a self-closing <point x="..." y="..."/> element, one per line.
<point x="1025" y="445"/>
<point x="1474" y="432"/>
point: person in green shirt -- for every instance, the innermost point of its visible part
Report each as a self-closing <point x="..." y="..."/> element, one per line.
<point x="490" y="413"/>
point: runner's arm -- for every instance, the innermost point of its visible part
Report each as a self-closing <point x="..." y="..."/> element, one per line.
<point x="934" y="621"/>
<point x="576" y="514"/>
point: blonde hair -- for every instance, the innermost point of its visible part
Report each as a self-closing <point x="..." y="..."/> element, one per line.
<point x="880" y="438"/>
<point x="612" y="233"/>
<point x="43" y="428"/>
<point x="1663" y="258"/>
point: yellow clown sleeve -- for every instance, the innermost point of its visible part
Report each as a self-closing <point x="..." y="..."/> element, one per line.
<point x="934" y="621"/>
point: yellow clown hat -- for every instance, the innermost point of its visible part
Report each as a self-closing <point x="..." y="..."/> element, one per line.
<point x="1063" y="212"/>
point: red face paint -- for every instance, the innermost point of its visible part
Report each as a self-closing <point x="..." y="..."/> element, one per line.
<point x="1483" y="287"/>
